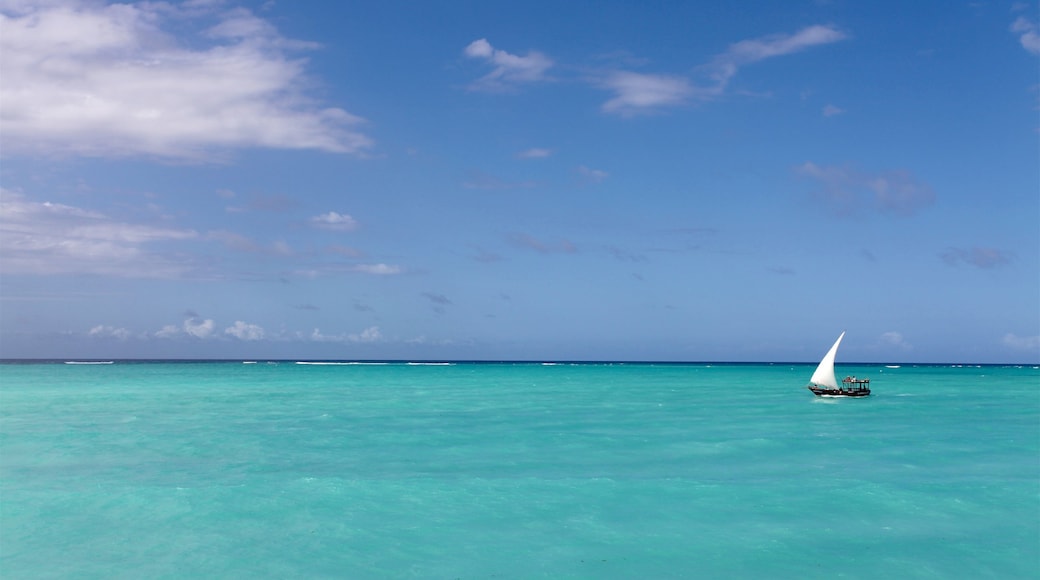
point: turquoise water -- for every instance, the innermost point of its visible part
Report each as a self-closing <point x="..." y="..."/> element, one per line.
<point x="231" y="470"/>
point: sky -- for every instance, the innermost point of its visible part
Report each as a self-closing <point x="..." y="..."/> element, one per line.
<point x="456" y="180"/>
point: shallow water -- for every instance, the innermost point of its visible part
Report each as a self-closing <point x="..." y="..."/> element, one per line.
<point x="169" y="470"/>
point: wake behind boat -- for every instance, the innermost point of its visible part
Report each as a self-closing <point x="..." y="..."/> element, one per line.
<point x="824" y="384"/>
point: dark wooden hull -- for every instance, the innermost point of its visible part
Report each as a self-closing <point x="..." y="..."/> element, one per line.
<point x="824" y="392"/>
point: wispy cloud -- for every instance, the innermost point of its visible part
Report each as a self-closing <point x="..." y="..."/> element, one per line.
<point x="726" y="65"/>
<point x="1023" y="343"/>
<point x="1027" y="31"/>
<point x="846" y="190"/>
<point x="534" y="153"/>
<point x="485" y="256"/>
<point x="985" y="258"/>
<point x="624" y="255"/>
<point x="590" y="175"/>
<point x="378" y="269"/>
<point x="831" y="110"/>
<point x="641" y="93"/>
<point x="439" y="299"/>
<point x="509" y="70"/>
<point x="240" y="243"/>
<point x="97" y="79"/>
<point x="438" y="302"/>
<point x="322" y="270"/>
<point x="346" y="251"/>
<point x="52" y="238"/>
<point x="368" y="335"/>
<point x="636" y="93"/>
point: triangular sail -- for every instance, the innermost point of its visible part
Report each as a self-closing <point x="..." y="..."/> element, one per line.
<point x="824" y="375"/>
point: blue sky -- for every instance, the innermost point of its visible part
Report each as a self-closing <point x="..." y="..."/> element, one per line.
<point x="540" y="180"/>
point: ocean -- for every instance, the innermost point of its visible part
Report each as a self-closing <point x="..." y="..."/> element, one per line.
<point x="516" y="470"/>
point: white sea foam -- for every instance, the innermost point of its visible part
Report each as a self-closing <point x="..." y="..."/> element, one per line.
<point x="89" y="362"/>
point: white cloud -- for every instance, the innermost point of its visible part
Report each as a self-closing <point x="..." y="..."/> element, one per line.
<point x="244" y="331"/>
<point x="334" y="221"/>
<point x="168" y="331"/>
<point x="199" y="328"/>
<point x="590" y="175"/>
<point x="1023" y="343"/>
<point x="479" y="49"/>
<point x="52" y="238"/>
<point x="318" y="336"/>
<point x="726" y="65"/>
<point x="96" y="79"/>
<point x="534" y="153"/>
<point x="748" y="51"/>
<point x="338" y="268"/>
<point x="636" y="92"/>
<point x="378" y="269"/>
<point x="845" y="190"/>
<point x="510" y="69"/>
<point x="831" y="110"/>
<point x="368" y="335"/>
<point x="1027" y="34"/>
<point x="281" y="248"/>
<point x="105" y="331"/>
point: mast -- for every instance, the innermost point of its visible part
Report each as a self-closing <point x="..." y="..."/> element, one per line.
<point x="824" y="375"/>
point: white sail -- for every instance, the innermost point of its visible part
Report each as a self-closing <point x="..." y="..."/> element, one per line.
<point x="824" y="375"/>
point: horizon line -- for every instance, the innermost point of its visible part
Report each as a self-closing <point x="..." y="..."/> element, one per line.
<point x="490" y="361"/>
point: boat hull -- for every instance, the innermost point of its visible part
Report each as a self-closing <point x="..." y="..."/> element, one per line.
<point x="826" y="392"/>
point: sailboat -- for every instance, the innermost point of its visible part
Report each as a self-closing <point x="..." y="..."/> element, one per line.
<point x="824" y="384"/>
